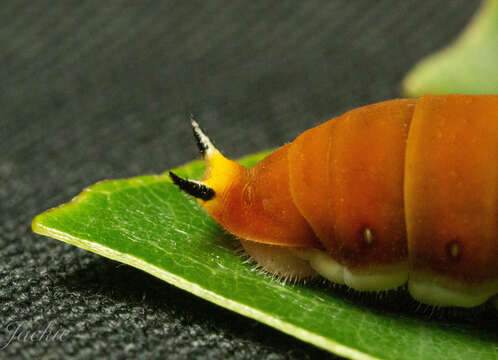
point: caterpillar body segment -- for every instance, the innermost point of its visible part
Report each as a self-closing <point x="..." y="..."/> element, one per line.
<point x="361" y="222"/>
<point x="402" y="191"/>
<point x="451" y="198"/>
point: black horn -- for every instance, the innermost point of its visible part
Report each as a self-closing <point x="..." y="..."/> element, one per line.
<point x="192" y="187"/>
<point x="203" y="143"/>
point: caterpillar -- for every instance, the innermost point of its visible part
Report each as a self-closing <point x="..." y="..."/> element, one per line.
<point x="403" y="191"/>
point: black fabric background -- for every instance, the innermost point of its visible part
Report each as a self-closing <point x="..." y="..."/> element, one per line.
<point x="91" y="90"/>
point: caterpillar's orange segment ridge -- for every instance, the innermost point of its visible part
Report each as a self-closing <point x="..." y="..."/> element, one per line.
<point x="451" y="196"/>
<point x="352" y="193"/>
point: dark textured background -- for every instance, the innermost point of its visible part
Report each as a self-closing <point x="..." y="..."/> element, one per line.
<point x="91" y="91"/>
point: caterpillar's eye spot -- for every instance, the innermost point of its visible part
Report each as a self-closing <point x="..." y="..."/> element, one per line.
<point x="454" y="250"/>
<point x="368" y="236"/>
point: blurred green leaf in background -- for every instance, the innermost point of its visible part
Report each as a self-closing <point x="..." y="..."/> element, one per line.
<point x="468" y="66"/>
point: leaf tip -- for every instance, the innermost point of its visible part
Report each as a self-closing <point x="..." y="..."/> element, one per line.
<point x="37" y="224"/>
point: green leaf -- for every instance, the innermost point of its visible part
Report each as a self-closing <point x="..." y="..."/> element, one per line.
<point x="469" y="66"/>
<point x="148" y="223"/>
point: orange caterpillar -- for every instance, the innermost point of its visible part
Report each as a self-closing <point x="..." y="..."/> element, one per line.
<point x="402" y="191"/>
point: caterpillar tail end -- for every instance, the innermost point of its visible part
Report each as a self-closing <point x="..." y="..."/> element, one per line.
<point x="220" y="188"/>
<point x="195" y="188"/>
<point x="220" y="172"/>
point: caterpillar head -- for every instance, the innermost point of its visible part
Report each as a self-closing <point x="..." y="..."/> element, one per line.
<point x="252" y="203"/>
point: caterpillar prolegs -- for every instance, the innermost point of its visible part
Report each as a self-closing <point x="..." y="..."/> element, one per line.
<point x="402" y="191"/>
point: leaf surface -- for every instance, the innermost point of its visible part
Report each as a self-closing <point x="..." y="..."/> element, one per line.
<point x="148" y="223"/>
